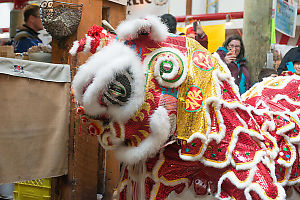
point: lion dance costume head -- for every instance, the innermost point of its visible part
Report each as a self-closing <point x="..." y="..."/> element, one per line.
<point x="175" y="119"/>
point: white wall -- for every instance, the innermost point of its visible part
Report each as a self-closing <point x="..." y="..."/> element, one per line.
<point x="231" y="5"/>
<point x="5" y="9"/>
<point x="198" y="7"/>
<point x="177" y="7"/>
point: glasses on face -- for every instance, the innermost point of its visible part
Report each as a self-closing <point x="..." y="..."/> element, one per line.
<point x="231" y="46"/>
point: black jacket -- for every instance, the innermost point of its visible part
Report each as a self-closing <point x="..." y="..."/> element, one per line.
<point x="291" y="56"/>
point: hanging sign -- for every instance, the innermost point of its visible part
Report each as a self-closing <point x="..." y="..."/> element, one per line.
<point x="285" y="18"/>
<point x="142" y="8"/>
<point x="122" y="2"/>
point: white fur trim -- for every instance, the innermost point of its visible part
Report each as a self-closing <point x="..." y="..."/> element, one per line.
<point x="112" y="136"/>
<point x="285" y="97"/>
<point x="205" y="142"/>
<point x="135" y="181"/>
<point x="261" y="192"/>
<point x="222" y="128"/>
<point x="285" y="129"/>
<point x="293" y="154"/>
<point x="243" y="166"/>
<point x="74" y="48"/>
<point x="159" y="31"/>
<point x="227" y="77"/>
<point x="100" y="69"/>
<point x="168" y="76"/>
<point x="217" y="103"/>
<point x="271" y="165"/>
<point x="103" y="140"/>
<point x="235" y="181"/>
<point x="272" y="82"/>
<point x="98" y="48"/>
<point x="220" y="61"/>
<point x="161" y="180"/>
<point x="104" y="31"/>
<point x="160" y="129"/>
<point x="156" y="68"/>
<point x="268" y="126"/>
<point x="130" y="29"/>
<point x="286" y="181"/>
<point x="122" y="184"/>
<point x="87" y="46"/>
<point x="272" y="153"/>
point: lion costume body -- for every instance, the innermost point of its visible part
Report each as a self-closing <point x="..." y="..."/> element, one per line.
<point x="175" y="119"/>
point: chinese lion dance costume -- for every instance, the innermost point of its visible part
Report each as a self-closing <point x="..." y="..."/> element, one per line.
<point x="175" y="119"/>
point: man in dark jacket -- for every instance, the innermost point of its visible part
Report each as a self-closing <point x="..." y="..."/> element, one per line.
<point x="288" y="58"/>
<point x="27" y="36"/>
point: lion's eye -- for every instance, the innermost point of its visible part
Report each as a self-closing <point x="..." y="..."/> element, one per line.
<point x="116" y="90"/>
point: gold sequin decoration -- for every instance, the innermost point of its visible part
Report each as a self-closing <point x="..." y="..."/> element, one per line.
<point x="189" y="123"/>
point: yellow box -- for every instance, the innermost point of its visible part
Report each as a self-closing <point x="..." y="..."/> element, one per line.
<point x="39" y="189"/>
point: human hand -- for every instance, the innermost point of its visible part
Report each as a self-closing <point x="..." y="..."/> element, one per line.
<point x="191" y="35"/>
<point x="199" y="29"/>
<point x="230" y="57"/>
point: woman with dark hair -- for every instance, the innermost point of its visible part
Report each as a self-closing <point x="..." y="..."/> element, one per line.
<point x="231" y="54"/>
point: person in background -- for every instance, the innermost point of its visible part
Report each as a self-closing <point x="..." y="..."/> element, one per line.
<point x="170" y="21"/>
<point x="294" y="67"/>
<point x="266" y="72"/>
<point x="27" y="36"/>
<point x="297" y="67"/>
<point x="232" y="55"/>
<point x="196" y="32"/>
<point x="286" y="63"/>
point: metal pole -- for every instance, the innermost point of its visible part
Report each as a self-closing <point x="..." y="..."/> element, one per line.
<point x="214" y="16"/>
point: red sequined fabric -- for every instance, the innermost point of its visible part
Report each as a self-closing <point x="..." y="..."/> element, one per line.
<point x="245" y="149"/>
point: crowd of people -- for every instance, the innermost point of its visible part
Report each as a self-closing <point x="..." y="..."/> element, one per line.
<point x="232" y="52"/>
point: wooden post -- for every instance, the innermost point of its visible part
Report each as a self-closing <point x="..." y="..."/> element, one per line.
<point x="188" y="7"/>
<point x="114" y="15"/>
<point x="85" y="172"/>
<point x="256" y="34"/>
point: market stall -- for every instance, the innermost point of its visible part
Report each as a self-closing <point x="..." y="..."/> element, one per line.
<point x="34" y="120"/>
